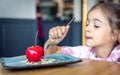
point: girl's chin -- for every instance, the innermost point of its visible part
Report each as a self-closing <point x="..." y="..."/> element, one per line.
<point x="89" y="45"/>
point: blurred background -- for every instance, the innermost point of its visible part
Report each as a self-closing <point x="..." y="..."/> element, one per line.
<point x="21" y="19"/>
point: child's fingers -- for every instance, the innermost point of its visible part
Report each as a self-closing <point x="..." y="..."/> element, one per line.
<point x="55" y="32"/>
<point x="66" y="30"/>
<point x="51" y="33"/>
<point x="61" y="31"/>
<point x="58" y="33"/>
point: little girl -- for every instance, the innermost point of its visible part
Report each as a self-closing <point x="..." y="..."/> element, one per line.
<point x="101" y="34"/>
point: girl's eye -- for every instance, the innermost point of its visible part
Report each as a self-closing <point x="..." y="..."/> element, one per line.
<point x="87" y="22"/>
<point x="86" y="25"/>
<point x="96" y="26"/>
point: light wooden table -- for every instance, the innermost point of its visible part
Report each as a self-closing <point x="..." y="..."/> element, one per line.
<point x="86" y="67"/>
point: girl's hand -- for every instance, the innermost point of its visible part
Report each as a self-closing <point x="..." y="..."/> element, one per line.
<point x="58" y="33"/>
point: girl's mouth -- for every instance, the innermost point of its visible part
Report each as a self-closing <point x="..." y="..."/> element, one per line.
<point x="88" y="38"/>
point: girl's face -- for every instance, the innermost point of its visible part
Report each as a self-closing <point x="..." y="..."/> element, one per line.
<point x="98" y="31"/>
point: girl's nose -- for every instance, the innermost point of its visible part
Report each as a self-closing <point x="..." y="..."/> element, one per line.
<point x="88" y="29"/>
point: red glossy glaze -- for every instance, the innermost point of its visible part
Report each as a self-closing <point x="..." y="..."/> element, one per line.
<point x="34" y="53"/>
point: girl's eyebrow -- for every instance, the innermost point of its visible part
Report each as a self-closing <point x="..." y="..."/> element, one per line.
<point x="97" y="20"/>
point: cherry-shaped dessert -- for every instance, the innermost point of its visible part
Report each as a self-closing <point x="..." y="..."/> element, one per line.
<point x="34" y="53"/>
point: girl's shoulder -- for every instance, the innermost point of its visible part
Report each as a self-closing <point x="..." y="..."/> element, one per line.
<point x="116" y="49"/>
<point x="115" y="54"/>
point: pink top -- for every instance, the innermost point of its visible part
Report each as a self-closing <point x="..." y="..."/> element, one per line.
<point x="89" y="53"/>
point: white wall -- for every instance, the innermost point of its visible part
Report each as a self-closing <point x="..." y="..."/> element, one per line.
<point x="90" y="4"/>
<point x="77" y="10"/>
<point x="116" y="1"/>
<point x="23" y="9"/>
